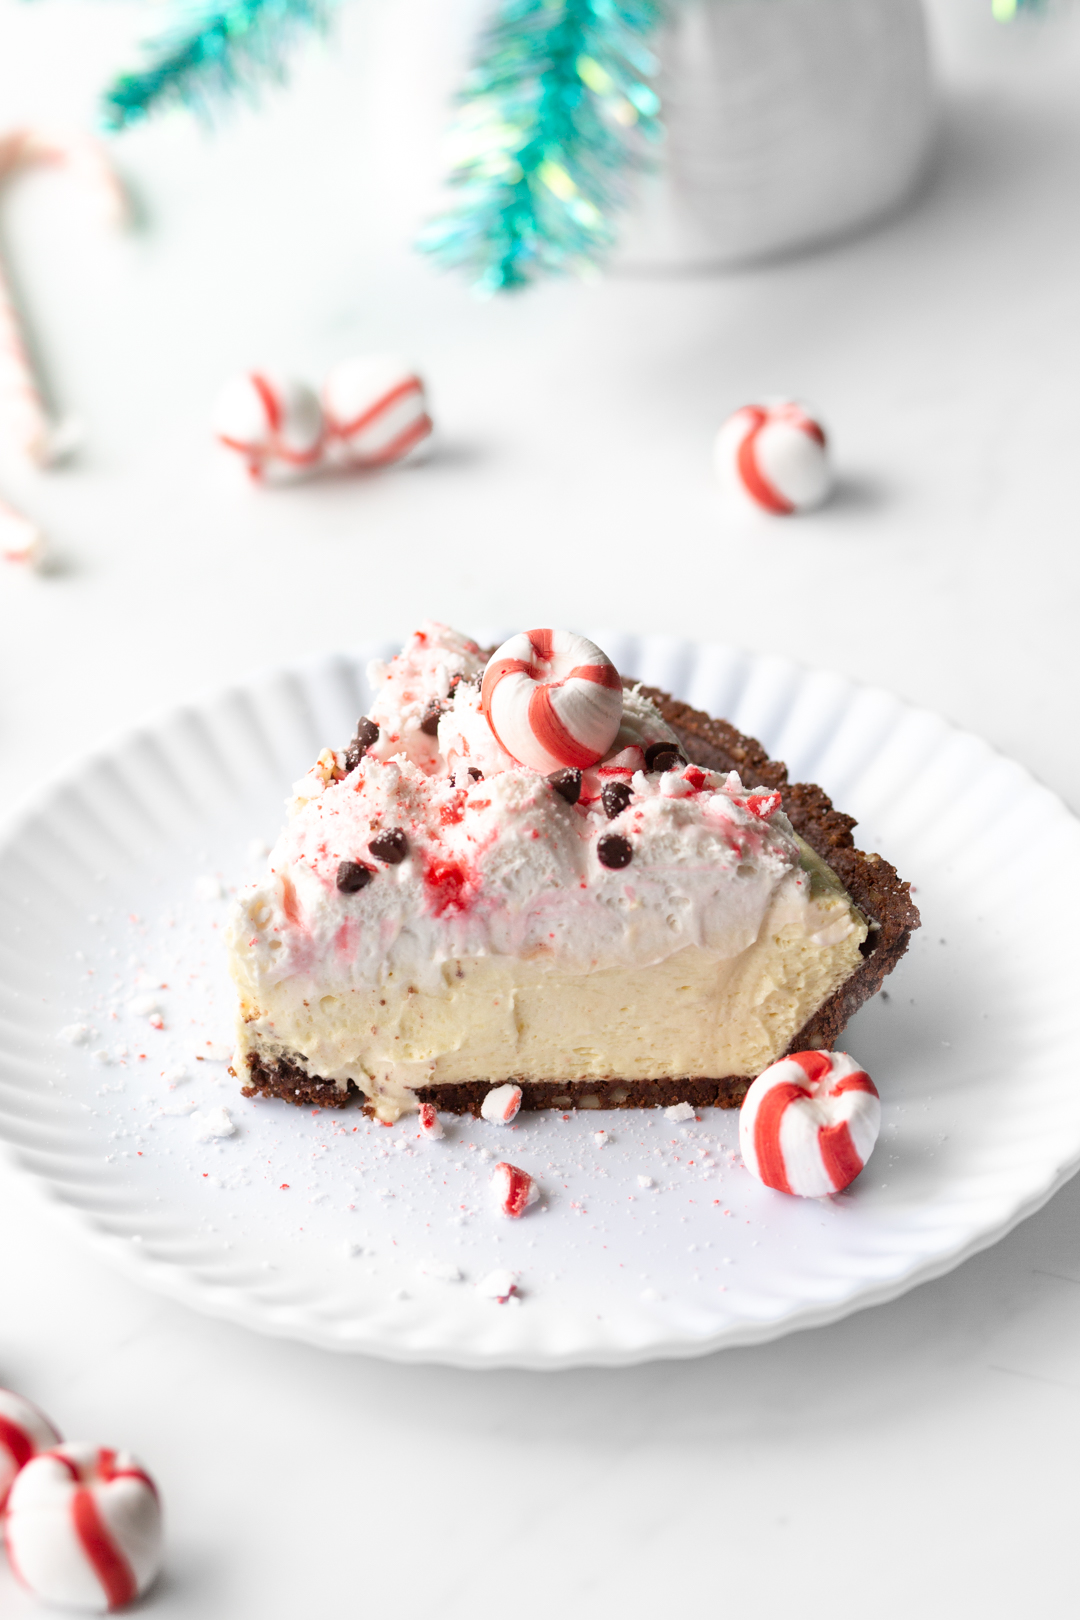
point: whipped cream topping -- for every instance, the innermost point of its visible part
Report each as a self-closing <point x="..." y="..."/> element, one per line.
<point x="438" y="846"/>
<point x="415" y="688"/>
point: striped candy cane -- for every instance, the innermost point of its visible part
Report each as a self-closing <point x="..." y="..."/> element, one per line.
<point x="20" y="540"/>
<point x="24" y="420"/>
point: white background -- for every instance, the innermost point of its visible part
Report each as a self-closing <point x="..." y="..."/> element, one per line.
<point x="920" y="1456"/>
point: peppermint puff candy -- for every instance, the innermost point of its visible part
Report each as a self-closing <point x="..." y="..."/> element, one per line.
<point x="775" y="455"/>
<point x="809" y="1123"/>
<point x="83" y="1527"/>
<point x="24" y="1431"/>
<point x="376" y="411"/>
<point x="553" y="699"/>
<point x="275" y="423"/>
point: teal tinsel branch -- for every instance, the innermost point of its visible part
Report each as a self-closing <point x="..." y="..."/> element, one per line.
<point x="210" y="52"/>
<point x="556" y="116"/>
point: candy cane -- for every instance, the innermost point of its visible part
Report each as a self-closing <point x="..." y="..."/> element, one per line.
<point x="24" y="420"/>
<point x="20" y="540"/>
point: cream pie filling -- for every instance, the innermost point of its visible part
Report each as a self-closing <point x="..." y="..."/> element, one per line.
<point x="488" y="939"/>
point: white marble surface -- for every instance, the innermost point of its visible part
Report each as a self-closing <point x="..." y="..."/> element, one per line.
<point x="919" y="1456"/>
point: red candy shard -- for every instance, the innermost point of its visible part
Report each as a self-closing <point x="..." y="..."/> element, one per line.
<point x="763" y="805"/>
<point x="515" y="1189"/>
<point x="430" y="1124"/>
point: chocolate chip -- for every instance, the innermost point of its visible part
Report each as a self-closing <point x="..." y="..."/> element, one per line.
<point x="429" y="725"/>
<point x="663" y="756"/>
<point x="615" y="796"/>
<point x="390" y="847"/>
<point x="475" y="775"/>
<point x="567" y="783"/>
<point x="614" y="850"/>
<point x="351" y="876"/>
<point x="367" y="732"/>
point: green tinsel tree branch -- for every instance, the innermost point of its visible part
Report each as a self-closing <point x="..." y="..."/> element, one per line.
<point x="210" y="52"/>
<point x="555" y="118"/>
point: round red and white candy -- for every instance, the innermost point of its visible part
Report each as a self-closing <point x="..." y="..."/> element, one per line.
<point x="775" y="455"/>
<point x="809" y="1123"/>
<point x="24" y="1431"/>
<point x="83" y="1527"/>
<point x="376" y="411"/>
<point x="501" y="1104"/>
<point x="553" y="699"/>
<point x="275" y="423"/>
<point x="513" y="1190"/>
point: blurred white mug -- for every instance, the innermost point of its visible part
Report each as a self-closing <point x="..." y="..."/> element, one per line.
<point x="789" y="122"/>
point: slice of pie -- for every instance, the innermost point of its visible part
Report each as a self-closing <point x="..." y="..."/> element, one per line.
<point x="657" y="927"/>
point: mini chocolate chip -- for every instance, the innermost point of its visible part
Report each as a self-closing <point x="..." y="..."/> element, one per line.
<point x="367" y="732"/>
<point x="663" y="756"/>
<point x="475" y="775"/>
<point x="351" y="876"/>
<point x="614" y="850"/>
<point x="567" y="783"/>
<point x="615" y="796"/>
<point x="390" y="847"/>
<point x="429" y="725"/>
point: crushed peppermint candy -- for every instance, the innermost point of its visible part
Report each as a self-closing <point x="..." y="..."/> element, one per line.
<point x="217" y="1122"/>
<point x="431" y="1125"/>
<point x="513" y="1189"/>
<point x="213" y="1051"/>
<point x="680" y="1113"/>
<point x="442" y="1270"/>
<point x="501" y="1104"/>
<point x="500" y="1286"/>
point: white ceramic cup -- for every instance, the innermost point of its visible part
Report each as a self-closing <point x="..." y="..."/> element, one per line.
<point x="789" y="122"/>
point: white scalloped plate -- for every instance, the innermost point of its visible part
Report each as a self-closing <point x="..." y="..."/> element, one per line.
<point x="323" y="1227"/>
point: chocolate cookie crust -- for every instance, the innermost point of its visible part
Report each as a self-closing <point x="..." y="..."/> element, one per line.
<point x="870" y="881"/>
